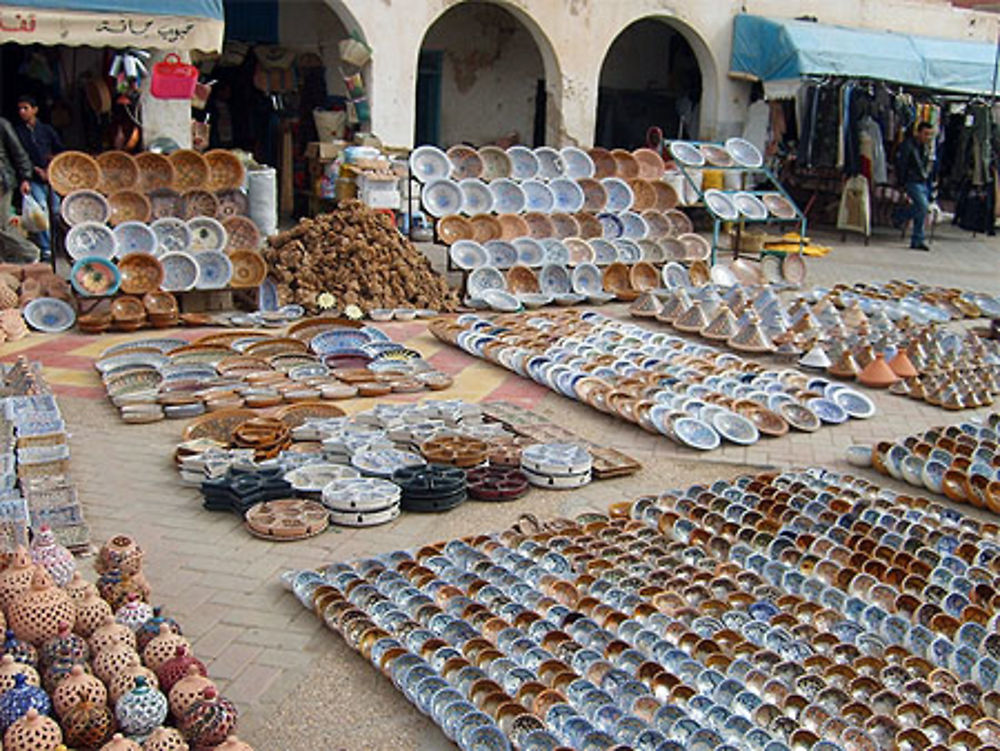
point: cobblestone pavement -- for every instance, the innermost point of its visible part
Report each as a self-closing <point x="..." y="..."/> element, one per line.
<point x="298" y="686"/>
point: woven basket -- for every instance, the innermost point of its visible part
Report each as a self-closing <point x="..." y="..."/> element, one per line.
<point x="241" y="234"/>
<point x="199" y="202"/>
<point x="128" y="206"/>
<point x="190" y="170"/>
<point x="225" y="170"/>
<point x="354" y="52"/>
<point x="155" y="171"/>
<point x="73" y="170"/>
<point x="118" y="172"/>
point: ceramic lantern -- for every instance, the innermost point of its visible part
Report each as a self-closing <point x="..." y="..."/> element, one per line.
<point x="91" y="611"/>
<point x="111" y="632"/>
<point x="111" y="661"/>
<point x="141" y="710"/>
<point x="88" y="724"/>
<point x="151" y="628"/>
<point x="9" y="670"/>
<point x="16" y="702"/>
<point x="33" y="732"/>
<point x="64" y="646"/>
<point x="119" y="742"/>
<point x="232" y="743"/>
<point x="163" y="647"/>
<point x="187" y="691"/>
<point x="16" y="578"/>
<point x="76" y="686"/>
<point x="77" y="588"/>
<point x="117" y="588"/>
<point x="177" y="667"/>
<point x="124" y="681"/>
<point x="36" y="613"/>
<point x="120" y="553"/>
<point x="56" y="559"/>
<point x="134" y="613"/>
<point x="20" y="650"/>
<point x="209" y="721"/>
<point x="58" y="671"/>
<point x="165" y="739"/>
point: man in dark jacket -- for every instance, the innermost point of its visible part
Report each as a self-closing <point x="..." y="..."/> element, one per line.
<point x="914" y="167"/>
<point x="42" y="142"/>
<point x="15" y="173"/>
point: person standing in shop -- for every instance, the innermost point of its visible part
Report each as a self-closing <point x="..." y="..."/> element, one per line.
<point x="15" y="173"/>
<point x="42" y="142"/>
<point x="913" y="167"/>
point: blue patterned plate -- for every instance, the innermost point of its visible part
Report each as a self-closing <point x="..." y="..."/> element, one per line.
<point x="696" y="434"/>
<point x="49" y="315"/>
<point x="215" y="270"/>
<point x="828" y="410"/>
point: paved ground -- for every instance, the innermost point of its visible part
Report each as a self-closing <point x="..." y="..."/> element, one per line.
<point x="297" y="684"/>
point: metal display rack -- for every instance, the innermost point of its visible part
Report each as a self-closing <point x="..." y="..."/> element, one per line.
<point x="742" y="221"/>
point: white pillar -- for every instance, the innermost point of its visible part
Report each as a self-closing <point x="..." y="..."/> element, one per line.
<point x="169" y="118"/>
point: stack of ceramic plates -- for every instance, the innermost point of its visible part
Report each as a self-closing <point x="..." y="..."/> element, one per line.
<point x="361" y="501"/>
<point x="556" y="466"/>
<point x="432" y="488"/>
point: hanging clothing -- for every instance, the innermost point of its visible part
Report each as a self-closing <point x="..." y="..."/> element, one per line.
<point x="854" y="213"/>
<point x="873" y="150"/>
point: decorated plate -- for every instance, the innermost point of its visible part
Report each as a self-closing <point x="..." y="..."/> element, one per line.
<point x="687" y="154"/>
<point x="172" y="234"/>
<point x="604" y="252"/>
<point x="136" y="237"/>
<point x="84" y="206"/>
<point x="735" y="428"/>
<point x="215" y="270"/>
<point x="550" y="164"/>
<point x="828" y="410"/>
<point x="91" y="239"/>
<point x="468" y="254"/>
<point x="586" y="279"/>
<point x="93" y="276"/>
<point x="508" y="197"/>
<point x="476" y="196"/>
<point x="675" y="276"/>
<point x="612" y="226"/>
<point x="429" y="163"/>
<point x="49" y="315"/>
<point x="537" y="196"/>
<point x="207" y="234"/>
<point x="502" y="301"/>
<point x="634" y="227"/>
<point x="530" y="251"/>
<point x="569" y="197"/>
<point x="523" y="162"/>
<point x="744" y="153"/>
<point x="441" y="197"/>
<point x="620" y="196"/>
<point x="554" y="279"/>
<point x="555" y="251"/>
<point x="696" y="434"/>
<point x="576" y="163"/>
<point x="854" y="403"/>
<point x="501" y="254"/>
<point x="484" y="278"/>
<point x="180" y="271"/>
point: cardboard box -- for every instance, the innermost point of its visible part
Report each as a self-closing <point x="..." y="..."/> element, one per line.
<point x="324" y="150"/>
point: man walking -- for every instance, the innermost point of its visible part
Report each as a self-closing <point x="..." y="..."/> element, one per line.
<point x="15" y="172"/>
<point x="42" y="142"/>
<point x="914" y="169"/>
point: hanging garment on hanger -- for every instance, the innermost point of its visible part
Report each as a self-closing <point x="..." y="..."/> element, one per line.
<point x="854" y="213"/>
<point x="872" y="148"/>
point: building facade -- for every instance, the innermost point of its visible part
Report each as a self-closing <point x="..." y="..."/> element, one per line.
<point x="578" y="71"/>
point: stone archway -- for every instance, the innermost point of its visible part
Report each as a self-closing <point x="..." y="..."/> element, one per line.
<point x="486" y="72"/>
<point x="656" y="72"/>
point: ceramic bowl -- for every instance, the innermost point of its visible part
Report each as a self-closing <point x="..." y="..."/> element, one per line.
<point x="215" y="270"/>
<point x="524" y="163"/>
<point x="95" y="276"/>
<point x="172" y="234"/>
<point x="428" y="163"/>
<point x="468" y="254"/>
<point x="180" y="271"/>
<point x="508" y="196"/>
<point x="576" y="163"/>
<point x="476" y="196"/>
<point x="530" y="251"/>
<point x="135" y="237"/>
<point x="538" y="196"/>
<point x="620" y="196"/>
<point x="49" y="315"/>
<point x="89" y="240"/>
<point x="568" y="194"/>
<point x="207" y="234"/>
<point x="550" y="164"/>
<point x="441" y="196"/>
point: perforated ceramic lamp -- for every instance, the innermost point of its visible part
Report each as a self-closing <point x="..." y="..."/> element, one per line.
<point x="33" y="732"/>
<point x="119" y="742"/>
<point x="141" y="710"/>
<point x="15" y="702"/>
<point x="37" y="613"/>
<point x="56" y="559"/>
<point x="209" y="721"/>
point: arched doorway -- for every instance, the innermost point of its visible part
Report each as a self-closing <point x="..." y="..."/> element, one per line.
<point x="481" y="78"/>
<point x="650" y="76"/>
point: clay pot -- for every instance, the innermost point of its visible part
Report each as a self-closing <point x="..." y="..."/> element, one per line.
<point x="177" y="668"/>
<point x="877" y="373"/>
<point x="91" y="611"/>
<point x="75" y="687"/>
<point x="37" y="613"/>
<point x="124" y="681"/>
<point x="902" y="366"/>
<point x="163" y="647"/>
<point x="165" y="739"/>
<point x="120" y="553"/>
<point x="16" y="701"/>
<point x="64" y="646"/>
<point x="55" y="558"/>
<point x="9" y="670"/>
<point x="119" y="742"/>
<point x="151" y="628"/>
<point x="187" y="691"/>
<point x="209" y="721"/>
<point x="19" y="649"/>
<point x="78" y="587"/>
<point x="111" y="661"/>
<point x="134" y="613"/>
<point x="88" y="724"/>
<point x="33" y="732"/>
<point x="118" y="588"/>
<point x="111" y="632"/>
<point x="16" y="578"/>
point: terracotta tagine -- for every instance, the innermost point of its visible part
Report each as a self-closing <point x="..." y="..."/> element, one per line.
<point x="88" y="724"/>
<point x="91" y="611"/>
<point x="55" y="558"/>
<point x="36" y="614"/>
<point x="64" y="646"/>
<point x="209" y="721"/>
<point x="33" y="732"/>
<point x="177" y="667"/>
<point x="151" y="628"/>
<point x="19" y="649"/>
<point x="119" y="742"/>
<point x="141" y="710"/>
<point x="901" y="365"/>
<point x="124" y="681"/>
<point x="163" y="647"/>
<point x="188" y="690"/>
<point x="877" y="373"/>
<point x="111" y="632"/>
<point x="120" y="553"/>
<point x="16" y="701"/>
<point x="16" y="578"/>
<point x="76" y="686"/>
<point x="165" y="739"/>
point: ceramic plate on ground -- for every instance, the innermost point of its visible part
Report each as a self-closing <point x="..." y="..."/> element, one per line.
<point x="620" y="196"/>
<point x="135" y="237"/>
<point x="49" y="315"/>
<point x="501" y="254"/>
<point x="429" y="163"/>
<point x="90" y="239"/>
<point x="568" y="194"/>
<point x="537" y="196"/>
<point x="744" y="153"/>
<point x="534" y="299"/>
<point x="484" y="278"/>
<point x="215" y="270"/>
<point x="696" y="434"/>
<point x="501" y="301"/>
<point x="180" y="271"/>
<point x="586" y="279"/>
<point x="576" y="163"/>
<point x="854" y="403"/>
<point x="554" y="279"/>
<point x="750" y="206"/>
<point x="207" y="234"/>
<point x="675" y="276"/>
<point x="530" y="252"/>
<point x="476" y="196"/>
<point x="798" y="416"/>
<point x="468" y="254"/>
<point x="523" y="162"/>
<point x="828" y="410"/>
<point x="687" y="154"/>
<point x="172" y="234"/>
<point x="721" y="204"/>
<point x="442" y="197"/>
<point x="634" y="227"/>
<point x="508" y="198"/>
<point x="735" y="428"/>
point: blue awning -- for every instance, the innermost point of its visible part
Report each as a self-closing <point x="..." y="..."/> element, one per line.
<point x="163" y="24"/>
<point x="769" y="49"/>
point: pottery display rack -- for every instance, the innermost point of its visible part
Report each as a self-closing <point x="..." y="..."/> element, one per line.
<point x="717" y="222"/>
